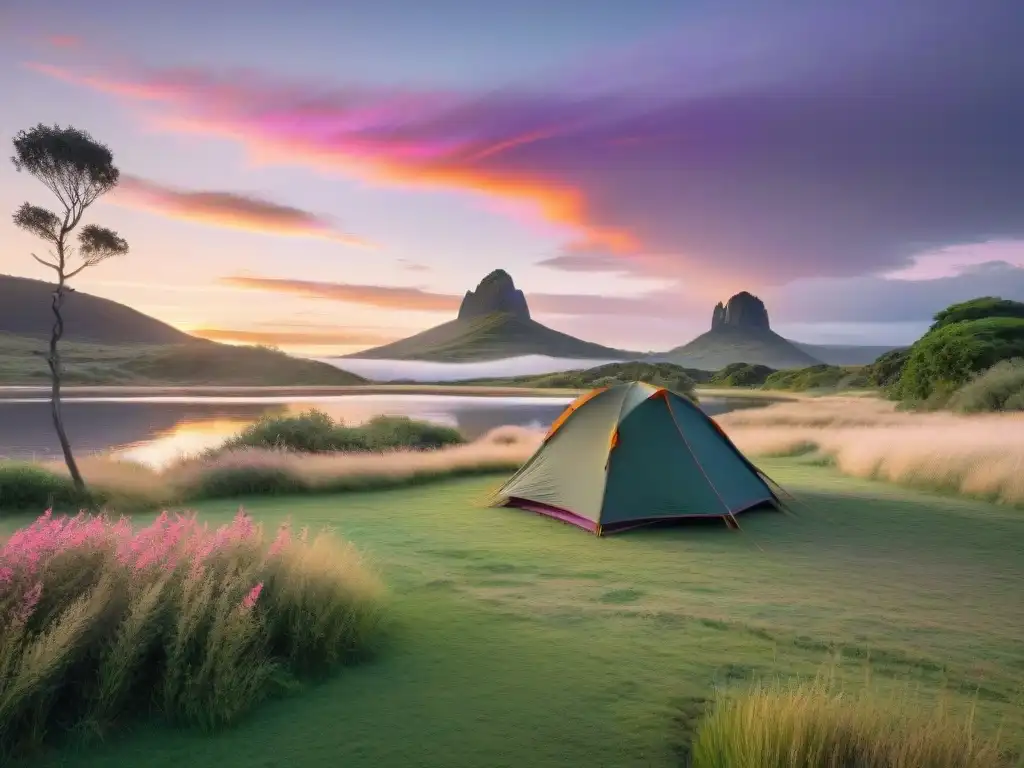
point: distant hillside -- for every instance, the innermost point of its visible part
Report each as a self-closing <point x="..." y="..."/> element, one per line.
<point x="197" y="363"/>
<point x="493" y="323"/>
<point x="844" y="355"/>
<point x="740" y="333"/>
<point x="25" y="311"/>
<point x="106" y="343"/>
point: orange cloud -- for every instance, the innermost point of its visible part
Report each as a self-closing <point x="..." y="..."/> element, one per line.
<point x="323" y="338"/>
<point x="382" y="296"/>
<point x="217" y="108"/>
<point x="227" y="209"/>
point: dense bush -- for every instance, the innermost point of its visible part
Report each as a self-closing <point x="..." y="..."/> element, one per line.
<point x="742" y="375"/>
<point x="316" y="432"/>
<point x="30" y="486"/>
<point x="814" y="727"/>
<point x="99" y="622"/>
<point x="886" y="370"/>
<point x="945" y="359"/>
<point x="1000" y="388"/>
<point x="817" y="377"/>
<point x="977" y="309"/>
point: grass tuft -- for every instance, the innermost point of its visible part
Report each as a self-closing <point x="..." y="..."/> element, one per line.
<point x="815" y="726"/>
<point x="1000" y="388"/>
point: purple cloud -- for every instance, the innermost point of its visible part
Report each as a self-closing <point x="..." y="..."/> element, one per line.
<point x="819" y="139"/>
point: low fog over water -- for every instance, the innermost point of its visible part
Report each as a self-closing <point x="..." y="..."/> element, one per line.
<point x="421" y="370"/>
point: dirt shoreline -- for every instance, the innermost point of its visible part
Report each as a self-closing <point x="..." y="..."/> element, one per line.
<point x="72" y="392"/>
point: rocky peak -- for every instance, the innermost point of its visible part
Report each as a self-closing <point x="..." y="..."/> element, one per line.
<point x="744" y="310"/>
<point x="496" y="293"/>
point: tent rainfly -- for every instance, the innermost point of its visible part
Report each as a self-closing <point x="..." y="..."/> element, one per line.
<point x="634" y="454"/>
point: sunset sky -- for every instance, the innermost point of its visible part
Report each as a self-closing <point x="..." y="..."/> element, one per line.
<point x="328" y="176"/>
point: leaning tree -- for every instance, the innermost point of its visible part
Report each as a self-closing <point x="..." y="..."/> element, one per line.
<point x="78" y="170"/>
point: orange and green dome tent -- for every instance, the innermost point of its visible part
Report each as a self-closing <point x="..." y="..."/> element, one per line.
<point x="634" y="454"/>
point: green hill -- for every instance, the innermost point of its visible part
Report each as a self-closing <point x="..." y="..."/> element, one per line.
<point x="493" y="323"/>
<point x="107" y="343"/>
<point x="197" y="362"/>
<point x="720" y="347"/>
<point x="491" y="337"/>
<point x="740" y="333"/>
<point x="25" y="311"/>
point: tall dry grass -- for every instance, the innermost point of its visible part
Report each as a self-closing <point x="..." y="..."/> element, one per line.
<point x="979" y="455"/>
<point x="815" y="726"/>
<point x="245" y="471"/>
<point x="100" y="622"/>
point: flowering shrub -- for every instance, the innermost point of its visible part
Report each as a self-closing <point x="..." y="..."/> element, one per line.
<point x="99" y="620"/>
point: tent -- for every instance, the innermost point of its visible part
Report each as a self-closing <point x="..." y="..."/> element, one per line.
<point x="634" y="454"/>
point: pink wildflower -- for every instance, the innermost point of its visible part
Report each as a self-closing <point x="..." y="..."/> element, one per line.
<point x="28" y="604"/>
<point x="250" y="599"/>
<point x="282" y="540"/>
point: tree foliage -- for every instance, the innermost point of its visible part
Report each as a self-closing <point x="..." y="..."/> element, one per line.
<point x="71" y="163"/>
<point x="77" y="169"/>
<point x="886" y="370"/>
<point x="945" y="359"/>
<point x="742" y="375"/>
<point x="977" y="309"/>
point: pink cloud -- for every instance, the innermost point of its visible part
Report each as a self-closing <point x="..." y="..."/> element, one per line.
<point x="748" y="150"/>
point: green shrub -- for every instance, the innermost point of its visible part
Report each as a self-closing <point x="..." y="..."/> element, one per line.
<point x="945" y="359"/>
<point x="1000" y="388"/>
<point x="383" y="433"/>
<point x="310" y="432"/>
<point x="886" y="370"/>
<point x="742" y="375"/>
<point x="232" y="480"/>
<point x="802" y="379"/>
<point x="316" y="432"/>
<point x="28" y="486"/>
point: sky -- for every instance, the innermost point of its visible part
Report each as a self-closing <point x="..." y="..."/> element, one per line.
<point x="328" y="177"/>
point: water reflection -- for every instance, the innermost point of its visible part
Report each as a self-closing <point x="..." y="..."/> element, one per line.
<point x="160" y="429"/>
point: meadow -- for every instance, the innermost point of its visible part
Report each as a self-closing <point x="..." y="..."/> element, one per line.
<point x="513" y="640"/>
<point x="978" y="455"/>
<point x="518" y="641"/>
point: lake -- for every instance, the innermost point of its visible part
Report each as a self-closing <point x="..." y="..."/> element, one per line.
<point x="157" y="430"/>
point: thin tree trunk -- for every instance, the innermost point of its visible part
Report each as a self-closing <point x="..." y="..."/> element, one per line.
<point x="55" y="378"/>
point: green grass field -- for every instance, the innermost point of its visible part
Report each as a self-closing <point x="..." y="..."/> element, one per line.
<point x="518" y="641"/>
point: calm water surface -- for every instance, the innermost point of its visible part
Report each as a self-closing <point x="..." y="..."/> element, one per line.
<point x="157" y="430"/>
